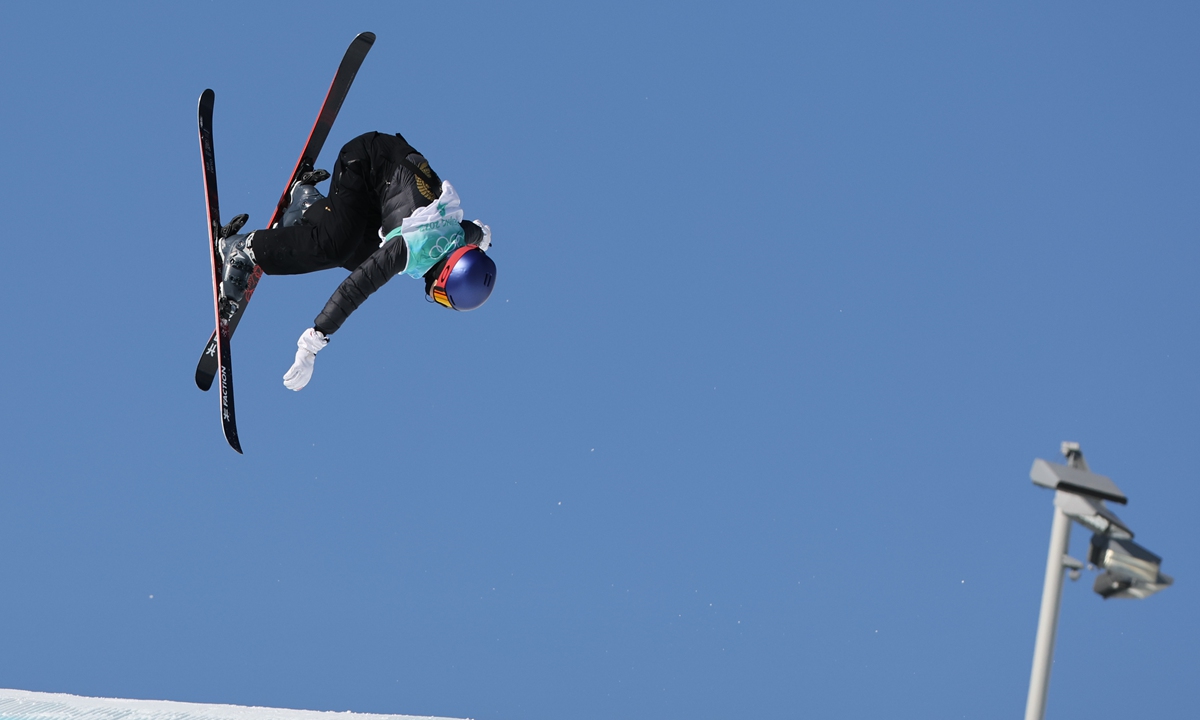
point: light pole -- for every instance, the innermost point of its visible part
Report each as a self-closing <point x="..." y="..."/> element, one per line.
<point x="1130" y="570"/>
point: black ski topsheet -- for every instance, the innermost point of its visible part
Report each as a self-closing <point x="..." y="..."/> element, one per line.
<point x="342" y="79"/>
<point x="223" y="366"/>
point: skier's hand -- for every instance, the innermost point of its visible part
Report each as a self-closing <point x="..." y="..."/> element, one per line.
<point x="486" y="242"/>
<point x="307" y="347"/>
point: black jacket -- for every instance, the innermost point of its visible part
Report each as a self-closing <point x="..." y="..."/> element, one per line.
<point x="400" y="181"/>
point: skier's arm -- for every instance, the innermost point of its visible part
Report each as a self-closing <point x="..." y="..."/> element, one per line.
<point x="384" y="264"/>
<point x="376" y="270"/>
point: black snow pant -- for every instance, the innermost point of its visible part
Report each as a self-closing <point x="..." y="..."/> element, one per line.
<point x="343" y="229"/>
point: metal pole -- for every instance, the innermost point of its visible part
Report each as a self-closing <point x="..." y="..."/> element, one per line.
<point x="1043" y="649"/>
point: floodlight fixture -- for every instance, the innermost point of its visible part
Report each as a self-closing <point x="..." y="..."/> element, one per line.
<point x="1075" y="480"/>
<point x="1111" y="585"/>
<point x="1129" y="570"/>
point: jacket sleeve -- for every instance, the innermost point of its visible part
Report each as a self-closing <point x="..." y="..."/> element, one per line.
<point x="384" y="264"/>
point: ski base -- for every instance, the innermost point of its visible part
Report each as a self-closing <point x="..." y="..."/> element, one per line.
<point x="224" y="365"/>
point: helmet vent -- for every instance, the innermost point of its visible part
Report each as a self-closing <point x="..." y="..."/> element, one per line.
<point x="487" y="280"/>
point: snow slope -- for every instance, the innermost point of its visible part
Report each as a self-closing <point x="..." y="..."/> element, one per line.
<point x="23" y="705"/>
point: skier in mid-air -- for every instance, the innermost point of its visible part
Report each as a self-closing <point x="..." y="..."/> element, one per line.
<point x="387" y="213"/>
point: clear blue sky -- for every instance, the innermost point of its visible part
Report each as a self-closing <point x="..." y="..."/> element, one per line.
<point x="789" y="300"/>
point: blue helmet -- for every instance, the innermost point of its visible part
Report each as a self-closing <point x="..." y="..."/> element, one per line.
<point x="466" y="279"/>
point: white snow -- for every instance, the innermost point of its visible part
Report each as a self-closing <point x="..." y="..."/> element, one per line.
<point x="24" y="705"/>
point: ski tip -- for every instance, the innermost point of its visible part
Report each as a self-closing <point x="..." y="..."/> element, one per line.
<point x="367" y="37"/>
<point x="205" y="106"/>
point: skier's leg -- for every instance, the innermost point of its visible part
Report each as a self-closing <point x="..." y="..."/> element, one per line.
<point x="297" y="249"/>
<point x="319" y="233"/>
<point x="332" y="232"/>
<point x="316" y="233"/>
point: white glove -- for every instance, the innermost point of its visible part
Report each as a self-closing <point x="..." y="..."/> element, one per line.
<point x="309" y="344"/>
<point x="486" y="242"/>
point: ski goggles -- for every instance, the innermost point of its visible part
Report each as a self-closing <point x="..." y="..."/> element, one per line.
<point x="438" y="291"/>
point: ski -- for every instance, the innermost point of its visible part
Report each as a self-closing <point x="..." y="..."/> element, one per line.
<point x="207" y="368"/>
<point x="223" y="331"/>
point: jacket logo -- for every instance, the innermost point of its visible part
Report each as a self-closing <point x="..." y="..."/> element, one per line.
<point x="422" y="184"/>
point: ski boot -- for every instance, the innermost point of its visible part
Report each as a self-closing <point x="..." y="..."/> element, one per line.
<point x="304" y="195"/>
<point x="237" y="259"/>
